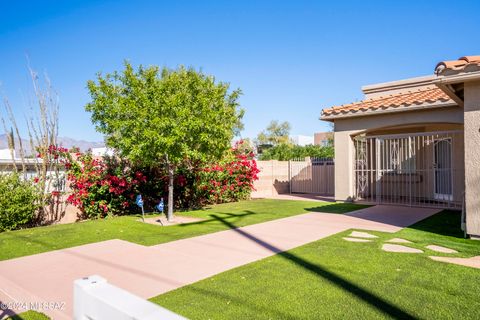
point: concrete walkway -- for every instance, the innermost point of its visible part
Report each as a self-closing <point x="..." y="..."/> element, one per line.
<point x="149" y="271"/>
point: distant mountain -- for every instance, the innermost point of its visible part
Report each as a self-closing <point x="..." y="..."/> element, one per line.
<point x="62" y="141"/>
<point x="82" y="144"/>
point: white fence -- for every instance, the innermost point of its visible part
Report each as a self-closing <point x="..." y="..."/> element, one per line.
<point x="96" y="299"/>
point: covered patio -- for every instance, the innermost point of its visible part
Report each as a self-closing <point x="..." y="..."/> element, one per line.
<point x="414" y="166"/>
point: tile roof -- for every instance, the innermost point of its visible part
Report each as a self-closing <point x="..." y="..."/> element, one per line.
<point x="463" y="64"/>
<point x="417" y="98"/>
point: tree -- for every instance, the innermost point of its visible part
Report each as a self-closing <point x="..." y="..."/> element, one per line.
<point x="42" y="131"/>
<point x="154" y="116"/>
<point x="275" y="133"/>
<point x="283" y="152"/>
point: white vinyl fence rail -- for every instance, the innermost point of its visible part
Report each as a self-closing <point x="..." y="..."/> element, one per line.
<point x="96" y="299"/>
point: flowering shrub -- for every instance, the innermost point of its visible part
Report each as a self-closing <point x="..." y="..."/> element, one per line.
<point x="231" y="179"/>
<point x="109" y="186"/>
<point x="102" y="187"/>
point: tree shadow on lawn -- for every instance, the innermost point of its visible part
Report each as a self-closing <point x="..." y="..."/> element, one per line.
<point x="338" y="208"/>
<point x="445" y="223"/>
<point x="364" y="295"/>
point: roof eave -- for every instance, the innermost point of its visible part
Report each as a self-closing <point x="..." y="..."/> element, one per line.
<point x="423" y="106"/>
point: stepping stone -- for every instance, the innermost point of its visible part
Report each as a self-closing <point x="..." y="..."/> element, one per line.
<point x="440" y="249"/>
<point x="473" y="262"/>
<point x="358" y="234"/>
<point x="399" y="248"/>
<point x="399" y="240"/>
<point x="356" y="239"/>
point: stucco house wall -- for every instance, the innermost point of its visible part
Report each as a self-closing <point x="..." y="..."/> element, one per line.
<point x="472" y="156"/>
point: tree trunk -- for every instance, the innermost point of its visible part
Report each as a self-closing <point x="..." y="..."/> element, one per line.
<point x="170" y="193"/>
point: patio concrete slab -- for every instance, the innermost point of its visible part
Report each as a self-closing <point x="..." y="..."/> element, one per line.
<point x="356" y="239"/>
<point x="359" y="234"/>
<point x="473" y="262"/>
<point x="399" y="240"/>
<point x="149" y="271"/>
<point x="399" y="248"/>
<point x="441" y="249"/>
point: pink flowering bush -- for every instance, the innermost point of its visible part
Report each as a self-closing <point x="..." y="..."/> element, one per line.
<point x="229" y="180"/>
<point x="102" y="187"/>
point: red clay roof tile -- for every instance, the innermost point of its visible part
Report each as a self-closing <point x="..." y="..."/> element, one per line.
<point x="457" y="65"/>
<point x="404" y="100"/>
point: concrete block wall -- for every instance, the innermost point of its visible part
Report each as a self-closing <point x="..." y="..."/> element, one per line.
<point x="273" y="179"/>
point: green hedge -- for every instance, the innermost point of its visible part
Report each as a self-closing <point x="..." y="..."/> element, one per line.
<point x="18" y="202"/>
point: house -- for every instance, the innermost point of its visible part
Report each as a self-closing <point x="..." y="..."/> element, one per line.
<point x="413" y="142"/>
<point x="323" y="139"/>
<point x="100" y="152"/>
<point x="9" y="162"/>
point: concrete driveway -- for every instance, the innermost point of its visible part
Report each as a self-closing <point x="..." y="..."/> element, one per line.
<point x="149" y="271"/>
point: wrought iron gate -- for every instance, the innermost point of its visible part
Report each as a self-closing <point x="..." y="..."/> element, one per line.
<point x="415" y="169"/>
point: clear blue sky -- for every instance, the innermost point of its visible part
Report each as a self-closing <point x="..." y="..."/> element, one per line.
<point x="290" y="58"/>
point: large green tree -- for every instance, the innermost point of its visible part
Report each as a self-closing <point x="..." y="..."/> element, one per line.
<point x="275" y="133"/>
<point x="154" y="116"/>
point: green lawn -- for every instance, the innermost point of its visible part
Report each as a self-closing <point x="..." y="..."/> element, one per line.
<point x="29" y="315"/>
<point x="35" y="240"/>
<point x="336" y="279"/>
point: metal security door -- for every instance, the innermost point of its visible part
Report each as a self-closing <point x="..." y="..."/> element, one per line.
<point x="443" y="169"/>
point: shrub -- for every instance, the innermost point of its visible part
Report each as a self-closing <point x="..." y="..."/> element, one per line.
<point x="109" y="186"/>
<point x="283" y="152"/>
<point x="230" y="180"/>
<point x="19" y="201"/>
<point x="102" y="187"/>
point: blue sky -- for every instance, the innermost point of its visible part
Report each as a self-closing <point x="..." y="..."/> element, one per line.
<point x="290" y="58"/>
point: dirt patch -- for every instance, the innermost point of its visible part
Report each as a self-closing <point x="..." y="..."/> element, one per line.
<point x="162" y="220"/>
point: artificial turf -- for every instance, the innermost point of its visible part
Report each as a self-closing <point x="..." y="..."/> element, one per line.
<point x="41" y="239"/>
<point x="29" y="315"/>
<point x="335" y="279"/>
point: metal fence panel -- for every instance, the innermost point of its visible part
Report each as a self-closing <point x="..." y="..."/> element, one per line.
<point x="312" y="175"/>
<point x="416" y="169"/>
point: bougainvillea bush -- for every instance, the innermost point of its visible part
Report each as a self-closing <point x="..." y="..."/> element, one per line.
<point x="229" y="180"/>
<point x="101" y="187"/>
<point x="108" y="186"/>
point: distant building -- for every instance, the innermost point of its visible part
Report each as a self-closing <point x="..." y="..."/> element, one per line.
<point x="300" y="140"/>
<point x="9" y="165"/>
<point x="102" y="151"/>
<point x="6" y="154"/>
<point x="323" y="139"/>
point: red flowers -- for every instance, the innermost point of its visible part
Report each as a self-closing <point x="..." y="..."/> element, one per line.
<point x="230" y="180"/>
<point x="104" y="187"/>
<point x="100" y="188"/>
